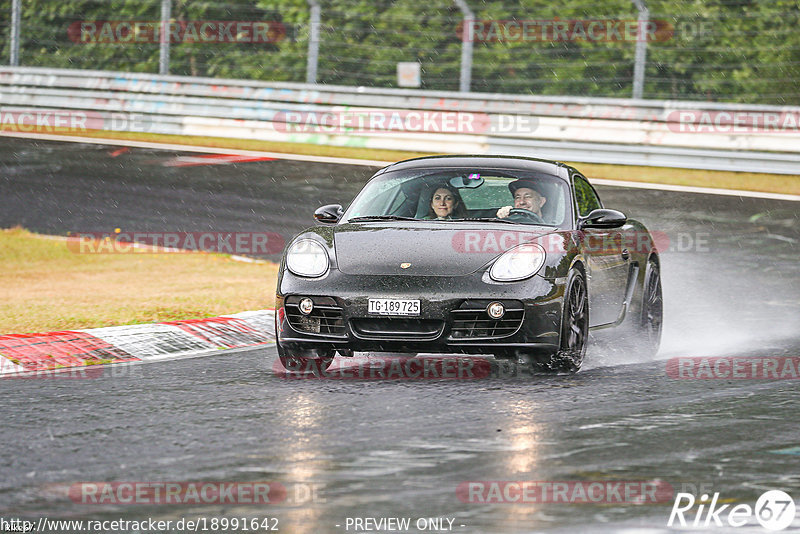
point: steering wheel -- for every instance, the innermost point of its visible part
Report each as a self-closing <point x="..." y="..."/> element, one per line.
<point x="525" y="214"/>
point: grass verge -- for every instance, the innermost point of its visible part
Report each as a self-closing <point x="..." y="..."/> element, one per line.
<point x="769" y="183"/>
<point x="46" y="287"/>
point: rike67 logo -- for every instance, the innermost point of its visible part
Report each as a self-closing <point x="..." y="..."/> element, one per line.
<point x="774" y="510"/>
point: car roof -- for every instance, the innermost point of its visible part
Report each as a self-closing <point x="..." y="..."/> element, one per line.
<point x="497" y="162"/>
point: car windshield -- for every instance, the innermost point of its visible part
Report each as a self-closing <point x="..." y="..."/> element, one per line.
<point x="464" y="194"/>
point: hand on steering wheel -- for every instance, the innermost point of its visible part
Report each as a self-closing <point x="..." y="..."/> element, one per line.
<point x="526" y="214"/>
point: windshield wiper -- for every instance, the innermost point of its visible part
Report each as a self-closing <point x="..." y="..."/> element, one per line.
<point x="489" y="219"/>
<point x="381" y="218"/>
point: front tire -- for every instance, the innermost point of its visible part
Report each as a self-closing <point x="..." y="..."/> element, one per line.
<point x="308" y="360"/>
<point x="574" y="325"/>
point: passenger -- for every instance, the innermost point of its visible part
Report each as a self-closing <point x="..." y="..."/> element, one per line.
<point x="446" y="203"/>
<point x="526" y="197"/>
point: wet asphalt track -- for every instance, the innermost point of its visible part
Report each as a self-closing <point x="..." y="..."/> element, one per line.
<point x="400" y="448"/>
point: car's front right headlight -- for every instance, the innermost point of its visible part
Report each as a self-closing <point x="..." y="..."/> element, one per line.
<point x="307" y="257"/>
<point x="522" y="261"/>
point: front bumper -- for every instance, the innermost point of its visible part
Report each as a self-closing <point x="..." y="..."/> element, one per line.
<point x="452" y="315"/>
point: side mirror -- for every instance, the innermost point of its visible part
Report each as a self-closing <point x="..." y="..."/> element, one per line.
<point x="602" y="218"/>
<point x="329" y="214"/>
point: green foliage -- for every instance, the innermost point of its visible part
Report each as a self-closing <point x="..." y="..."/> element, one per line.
<point x="726" y="50"/>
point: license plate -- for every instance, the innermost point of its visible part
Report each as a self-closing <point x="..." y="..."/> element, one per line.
<point x="393" y="306"/>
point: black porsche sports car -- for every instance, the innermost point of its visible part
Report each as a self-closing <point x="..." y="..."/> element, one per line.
<point x="510" y="256"/>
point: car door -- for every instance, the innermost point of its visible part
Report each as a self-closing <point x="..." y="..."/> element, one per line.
<point x="607" y="260"/>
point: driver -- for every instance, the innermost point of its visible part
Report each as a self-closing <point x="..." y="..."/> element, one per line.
<point x="526" y="197"/>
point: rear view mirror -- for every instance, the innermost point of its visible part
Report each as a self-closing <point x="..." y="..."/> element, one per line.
<point x="469" y="181"/>
<point x="603" y="218"/>
<point x="329" y="214"/>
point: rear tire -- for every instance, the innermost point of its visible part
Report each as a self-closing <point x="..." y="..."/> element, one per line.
<point x="648" y="331"/>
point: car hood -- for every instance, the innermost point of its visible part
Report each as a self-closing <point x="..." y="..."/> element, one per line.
<point x="431" y="249"/>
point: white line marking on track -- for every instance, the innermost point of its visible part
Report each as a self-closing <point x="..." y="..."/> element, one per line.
<point x="691" y="189"/>
<point x="7" y="366"/>
<point x="195" y="148"/>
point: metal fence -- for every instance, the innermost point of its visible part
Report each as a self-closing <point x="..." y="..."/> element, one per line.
<point x="729" y="50"/>
<point x="735" y="137"/>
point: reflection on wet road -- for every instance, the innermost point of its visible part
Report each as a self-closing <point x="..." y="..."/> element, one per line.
<point x="393" y="447"/>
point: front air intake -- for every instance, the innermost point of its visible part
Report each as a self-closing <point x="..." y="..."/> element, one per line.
<point x="471" y="321"/>
<point x="326" y="317"/>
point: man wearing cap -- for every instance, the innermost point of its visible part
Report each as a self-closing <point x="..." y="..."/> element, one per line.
<point x="526" y="197"/>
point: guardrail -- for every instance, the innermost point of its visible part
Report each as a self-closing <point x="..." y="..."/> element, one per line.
<point x="598" y="130"/>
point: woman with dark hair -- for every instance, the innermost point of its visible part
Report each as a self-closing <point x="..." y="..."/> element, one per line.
<point x="446" y="203"/>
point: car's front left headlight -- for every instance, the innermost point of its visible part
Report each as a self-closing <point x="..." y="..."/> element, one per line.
<point x="522" y="261"/>
<point x="307" y="257"/>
